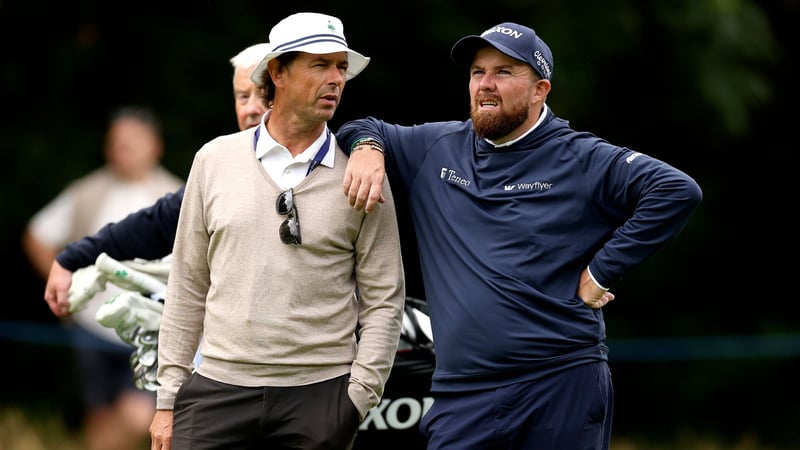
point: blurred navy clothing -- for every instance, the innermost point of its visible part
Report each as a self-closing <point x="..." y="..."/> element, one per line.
<point x="148" y="233"/>
<point x="104" y="368"/>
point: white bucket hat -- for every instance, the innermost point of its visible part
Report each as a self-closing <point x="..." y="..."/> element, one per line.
<point x="310" y="33"/>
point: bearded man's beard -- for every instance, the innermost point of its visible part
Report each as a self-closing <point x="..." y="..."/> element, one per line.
<point x="494" y="125"/>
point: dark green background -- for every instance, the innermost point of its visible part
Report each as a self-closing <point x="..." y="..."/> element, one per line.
<point x="703" y="337"/>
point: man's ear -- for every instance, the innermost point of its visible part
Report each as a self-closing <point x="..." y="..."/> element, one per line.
<point x="542" y="89"/>
<point x="274" y="71"/>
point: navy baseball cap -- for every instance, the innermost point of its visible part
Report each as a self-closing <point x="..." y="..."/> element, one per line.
<point x="516" y="41"/>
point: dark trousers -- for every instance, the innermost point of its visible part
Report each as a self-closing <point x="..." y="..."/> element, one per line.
<point x="213" y="415"/>
<point x="105" y="368"/>
<point x="571" y="410"/>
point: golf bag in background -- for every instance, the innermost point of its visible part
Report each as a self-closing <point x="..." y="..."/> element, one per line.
<point x="394" y="423"/>
<point x="136" y="316"/>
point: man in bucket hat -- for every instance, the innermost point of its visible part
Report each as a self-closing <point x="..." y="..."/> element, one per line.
<point x="522" y="225"/>
<point x="267" y="261"/>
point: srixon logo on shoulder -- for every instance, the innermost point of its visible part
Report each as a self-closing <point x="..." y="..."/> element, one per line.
<point x="398" y="414"/>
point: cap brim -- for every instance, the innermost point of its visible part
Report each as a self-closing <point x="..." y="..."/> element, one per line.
<point x="356" y="62"/>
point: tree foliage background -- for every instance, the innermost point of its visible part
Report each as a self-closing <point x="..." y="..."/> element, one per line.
<point x="706" y="85"/>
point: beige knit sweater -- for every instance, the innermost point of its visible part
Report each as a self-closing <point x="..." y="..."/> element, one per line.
<point x="273" y="314"/>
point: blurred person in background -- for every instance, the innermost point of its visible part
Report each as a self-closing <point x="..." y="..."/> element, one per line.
<point x="150" y="232"/>
<point x="117" y="414"/>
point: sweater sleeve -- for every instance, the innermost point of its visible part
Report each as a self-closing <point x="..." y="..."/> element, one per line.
<point x="381" y="285"/>
<point x="148" y="233"/>
<point x="189" y="281"/>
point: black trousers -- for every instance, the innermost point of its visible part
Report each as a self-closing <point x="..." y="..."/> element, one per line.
<point x="213" y="415"/>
